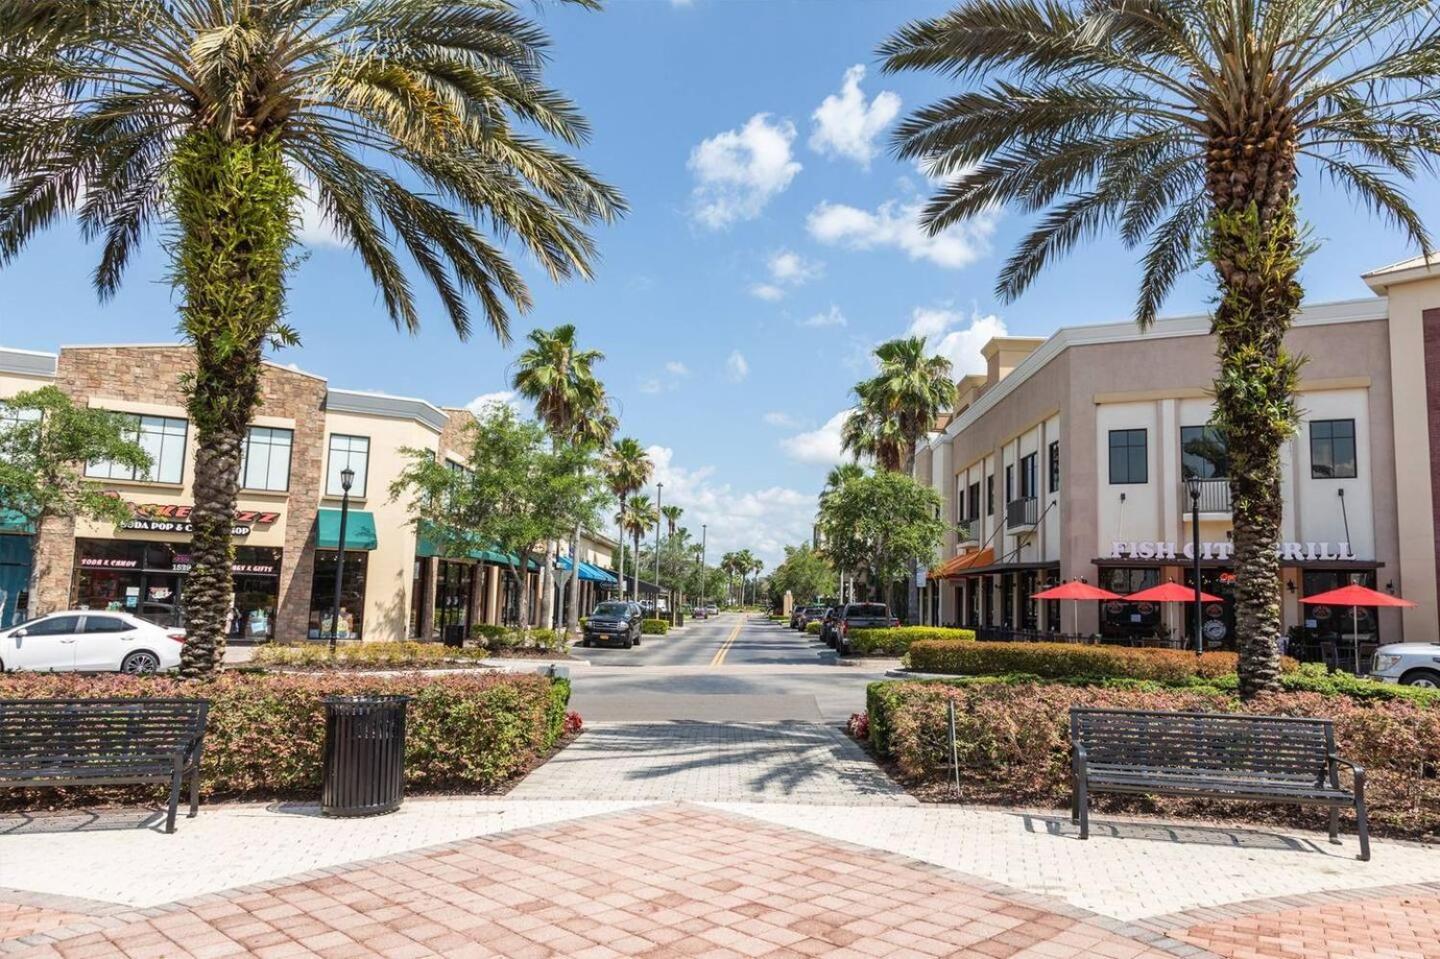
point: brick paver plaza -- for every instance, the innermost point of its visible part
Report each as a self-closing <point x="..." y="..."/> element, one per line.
<point x="749" y="839"/>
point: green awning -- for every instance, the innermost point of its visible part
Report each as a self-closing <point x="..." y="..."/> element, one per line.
<point x="426" y="545"/>
<point x="359" y="530"/>
<point x="14" y="521"/>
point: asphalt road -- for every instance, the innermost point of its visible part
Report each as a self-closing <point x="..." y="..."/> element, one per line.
<point x="731" y="668"/>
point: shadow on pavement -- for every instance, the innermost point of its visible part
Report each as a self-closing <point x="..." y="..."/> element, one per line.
<point x="1163" y="832"/>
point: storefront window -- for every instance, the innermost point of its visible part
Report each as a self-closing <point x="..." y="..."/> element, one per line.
<point x="163" y="437"/>
<point x="454" y="589"/>
<point x="419" y="578"/>
<point x="352" y="595"/>
<point x="1217" y="619"/>
<point x="1127" y="621"/>
<point x="1337" y="624"/>
<point x="1030" y="608"/>
<point x="1203" y="454"/>
<point x="352" y="452"/>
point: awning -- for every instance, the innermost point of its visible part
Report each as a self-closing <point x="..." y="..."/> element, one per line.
<point x="956" y="566"/>
<point x="426" y="544"/>
<point x="359" y="529"/>
<point x="14" y="521"/>
<point x="588" y="573"/>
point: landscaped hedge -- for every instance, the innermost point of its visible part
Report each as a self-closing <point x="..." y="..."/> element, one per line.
<point x="813" y="627"/>
<point x="654" y="627"/>
<point x="1014" y="748"/>
<point x="266" y="730"/>
<point x="896" y="640"/>
<point x="1062" y="660"/>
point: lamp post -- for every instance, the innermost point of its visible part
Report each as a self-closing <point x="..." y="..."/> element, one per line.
<point x="1193" y="484"/>
<point x="659" y="521"/>
<point x="704" y="528"/>
<point x="347" y="479"/>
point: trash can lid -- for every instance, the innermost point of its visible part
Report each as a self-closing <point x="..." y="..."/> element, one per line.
<point x="371" y="700"/>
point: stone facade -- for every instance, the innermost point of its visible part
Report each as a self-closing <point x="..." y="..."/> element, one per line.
<point x="1430" y="322"/>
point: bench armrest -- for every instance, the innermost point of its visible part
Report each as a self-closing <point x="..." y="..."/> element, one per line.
<point x="1079" y="757"/>
<point x="1337" y="760"/>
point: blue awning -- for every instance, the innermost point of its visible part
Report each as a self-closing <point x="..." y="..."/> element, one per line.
<point x="588" y="573"/>
<point x="14" y="521"/>
<point x="359" y="530"/>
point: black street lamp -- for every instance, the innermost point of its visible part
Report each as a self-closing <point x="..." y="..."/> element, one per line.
<point x="1193" y="484"/>
<point x="659" y="521"/>
<point x="704" y="528"/>
<point x="347" y="479"/>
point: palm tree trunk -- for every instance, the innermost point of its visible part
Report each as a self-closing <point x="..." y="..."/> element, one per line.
<point x="233" y="202"/>
<point x="1256" y="249"/>
<point x="572" y="619"/>
<point x="621" y="524"/>
<point x="547" y="586"/>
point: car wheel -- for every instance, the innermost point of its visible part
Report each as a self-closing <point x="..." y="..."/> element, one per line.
<point x="142" y="661"/>
<point x="627" y="643"/>
<point x="1423" y="678"/>
<point x="585" y="642"/>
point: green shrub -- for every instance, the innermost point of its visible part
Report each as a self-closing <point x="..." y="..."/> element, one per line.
<point x="654" y="627"/>
<point x="266" y="731"/>
<point x="896" y="640"/>
<point x="1014" y="747"/>
<point x="813" y="627"/>
<point x="1061" y="660"/>
<point x="382" y="655"/>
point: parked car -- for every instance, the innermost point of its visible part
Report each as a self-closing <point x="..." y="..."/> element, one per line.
<point x="712" y="610"/>
<point x="87" y="640"/>
<point x="1409" y="664"/>
<point x="809" y="615"/>
<point x="861" y="616"/>
<point x="614" y="622"/>
<point x="830" y="626"/>
<point x="795" y="615"/>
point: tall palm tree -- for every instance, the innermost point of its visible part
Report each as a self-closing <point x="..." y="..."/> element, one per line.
<point x="559" y="378"/>
<point x="899" y="404"/>
<point x="629" y="469"/>
<point x="637" y="518"/>
<point x="729" y="564"/>
<point x="403" y="119"/>
<point x="871" y="432"/>
<point x="1181" y="124"/>
<point x="672" y="516"/>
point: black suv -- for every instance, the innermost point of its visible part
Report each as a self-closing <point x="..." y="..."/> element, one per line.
<point x="861" y="616"/>
<point x="614" y="622"/>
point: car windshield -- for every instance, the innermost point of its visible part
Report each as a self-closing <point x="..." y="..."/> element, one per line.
<point x="868" y="609"/>
<point x="611" y="609"/>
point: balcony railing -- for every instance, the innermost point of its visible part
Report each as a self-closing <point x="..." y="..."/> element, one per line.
<point x="1022" y="513"/>
<point x="1214" y="496"/>
<point x="967" y="532"/>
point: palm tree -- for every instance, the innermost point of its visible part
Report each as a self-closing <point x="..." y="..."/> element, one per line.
<point x="899" y="404"/>
<point x="870" y="431"/>
<point x="1181" y="124"/>
<point x="672" y="516"/>
<point x="403" y="119"/>
<point x="730" y="564"/>
<point x="629" y="469"/>
<point x="637" y="518"/>
<point x="559" y="378"/>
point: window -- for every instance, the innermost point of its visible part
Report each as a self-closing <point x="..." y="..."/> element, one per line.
<point x="54" y="626"/>
<point x="1202" y="453"/>
<point x="1054" y="464"/>
<point x="265" y="463"/>
<point x="1127" y="457"/>
<point x="990" y="495"/>
<point x="974" y="500"/>
<point x="351" y="451"/>
<point x="1027" y="476"/>
<point x="352" y="595"/>
<point x="1332" y="449"/>
<point x="106" y="624"/>
<point x="1009" y="482"/>
<point x="163" y="437"/>
<point x="10" y="417"/>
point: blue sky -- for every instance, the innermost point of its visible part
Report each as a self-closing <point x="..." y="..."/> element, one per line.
<point x="769" y="247"/>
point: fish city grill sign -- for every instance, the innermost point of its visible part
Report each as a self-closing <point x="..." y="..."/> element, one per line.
<point x="1298" y="552"/>
<point x="175" y="518"/>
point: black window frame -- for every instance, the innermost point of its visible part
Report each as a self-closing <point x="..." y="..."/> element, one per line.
<point x="1185" y="470"/>
<point x="1054" y="465"/>
<point x="289" y="458"/>
<point x="357" y="490"/>
<point x="1327" y="443"/>
<point x="1129" y="448"/>
<point x="1009" y="482"/>
<point x="1028" y="476"/>
<point x="974" y="498"/>
<point x="990" y="495"/>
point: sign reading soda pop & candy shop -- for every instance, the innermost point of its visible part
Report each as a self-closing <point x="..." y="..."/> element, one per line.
<point x="175" y="518"/>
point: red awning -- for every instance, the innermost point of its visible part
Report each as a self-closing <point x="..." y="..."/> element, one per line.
<point x="1170" y="593"/>
<point x="955" y="566"/>
<point x="1355" y="596"/>
<point x="1076" y="590"/>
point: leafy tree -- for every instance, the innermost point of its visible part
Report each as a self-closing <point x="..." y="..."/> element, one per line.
<point x="559" y="378"/>
<point x="1181" y="124"/>
<point x="516" y="491"/>
<point x="405" y="121"/>
<point x="45" y="442"/>
<point x="804" y="573"/>
<point x="882" y="524"/>
<point x="629" y="468"/>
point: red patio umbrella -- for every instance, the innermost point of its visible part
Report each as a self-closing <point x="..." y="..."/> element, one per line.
<point x="1171" y="592"/>
<point x="1076" y="592"/>
<point x="1356" y="596"/>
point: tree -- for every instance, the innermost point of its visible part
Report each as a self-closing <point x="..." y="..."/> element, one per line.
<point x="404" y="121"/>
<point x="559" y="378"/>
<point x="515" y="491"/>
<point x="628" y="467"/>
<point x="1181" y="124"/>
<point x="672" y="516"/>
<point x="637" y="518"/>
<point x="45" y="442"/>
<point x="804" y="573"/>
<point x="882" y="524"/>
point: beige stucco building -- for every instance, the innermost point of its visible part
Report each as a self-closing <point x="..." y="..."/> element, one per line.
<point x="395" y="583"/>
<point x="1068" y="459"/>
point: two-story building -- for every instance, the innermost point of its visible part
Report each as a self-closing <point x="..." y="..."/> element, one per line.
<point x="396" y="582"/>
<point x="1069" y="458"/>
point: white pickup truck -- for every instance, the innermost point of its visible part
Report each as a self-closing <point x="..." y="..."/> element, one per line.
<point x="1410" y="664"/>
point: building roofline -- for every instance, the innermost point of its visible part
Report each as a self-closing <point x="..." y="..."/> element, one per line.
<point x="383" y="404"/>
<point x="288" y="368"/>
<point x="27" y="362"/>
<point x="1361" y="310"/>
<point x="1402" y="271"/>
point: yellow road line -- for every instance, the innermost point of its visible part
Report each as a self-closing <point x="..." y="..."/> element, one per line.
<point x="725" y="646"/>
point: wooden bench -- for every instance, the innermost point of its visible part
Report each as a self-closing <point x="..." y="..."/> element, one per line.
<point x="1211" y="756"/>
<point x="48" y="743"/>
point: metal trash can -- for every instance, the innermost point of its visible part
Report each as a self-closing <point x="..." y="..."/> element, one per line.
<point x="364" y="755"/>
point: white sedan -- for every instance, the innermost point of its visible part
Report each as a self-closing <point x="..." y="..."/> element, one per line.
<point x="87" y="640"/>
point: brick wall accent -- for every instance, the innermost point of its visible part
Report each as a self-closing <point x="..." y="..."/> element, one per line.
<point x="452" y="437"/>
<point x="152" y="374"/>
<point x="1430" y="321"/>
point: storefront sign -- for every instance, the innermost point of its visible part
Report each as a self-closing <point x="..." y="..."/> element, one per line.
<point x="175" y="518"/>
<point x="1296" y="552"/>
<point x="108" y="562"/>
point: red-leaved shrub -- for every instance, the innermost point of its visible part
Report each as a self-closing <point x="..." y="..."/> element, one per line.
<point x="859" y="725"/>
<point x="573" y="723"/>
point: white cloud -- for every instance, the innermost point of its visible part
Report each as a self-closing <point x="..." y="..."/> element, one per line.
<point x="768" y="292"/>
<point x="763" y="521"/>
<point x="897" y="225"/>
<point x="676" y="368"/>
<point x="787" y="266"/>
<point x="315" y="230"/>
<point x="483" y="403"/>
<point x="651" y="386"/>
<point x="831" y="317"/>
<point x="736" y="366"/>
<point x="956" y="336"/>
<point x="739" y="171"/>
<point x="846" y="126"/>
<point x="777" y="418"/>
<point x="819" y="445"/>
